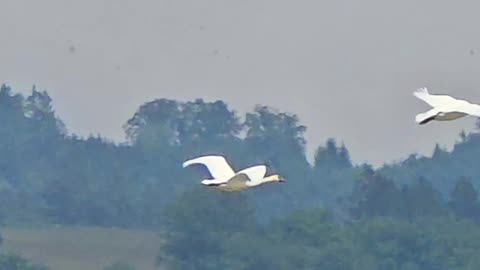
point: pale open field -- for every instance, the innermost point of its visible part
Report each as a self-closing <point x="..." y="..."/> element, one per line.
<point x="81" y="248"/>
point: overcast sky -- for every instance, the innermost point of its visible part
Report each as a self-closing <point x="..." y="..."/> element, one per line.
<point x="347" y="68"/>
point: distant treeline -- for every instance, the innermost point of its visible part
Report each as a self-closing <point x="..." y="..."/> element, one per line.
<point x="49" y="176"/>
<point x="388" y="228"/>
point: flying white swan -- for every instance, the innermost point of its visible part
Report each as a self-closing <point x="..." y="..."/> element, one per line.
<point x="226" y="179"/>
<point x="444" y="108"/>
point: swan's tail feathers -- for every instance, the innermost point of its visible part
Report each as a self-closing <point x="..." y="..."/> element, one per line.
<point x="423" y="118"/>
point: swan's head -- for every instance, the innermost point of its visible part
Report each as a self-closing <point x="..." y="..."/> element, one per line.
<point x="275" y="178"/>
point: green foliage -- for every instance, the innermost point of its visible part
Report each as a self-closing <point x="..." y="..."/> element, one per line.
<point x="421" y="213"/>
<point x="464" y="201"/>
<point x="375" y="195"/>
<point x="48" y="175"/>
<point x="406" y="228"/>
<point x="15" y="262"/>
<point x="421" y="199"/>
<point x="198" y="222"/>
<point x="313" y="240"/>
<point x="119" y="266"/>
<point x="443" y="168"/>
<point x="331" y="157"/>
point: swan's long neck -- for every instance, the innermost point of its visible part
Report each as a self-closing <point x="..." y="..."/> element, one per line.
<point x="271" y="178"/>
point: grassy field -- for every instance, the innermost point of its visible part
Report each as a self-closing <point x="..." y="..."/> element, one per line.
<point x="81" y="248"/>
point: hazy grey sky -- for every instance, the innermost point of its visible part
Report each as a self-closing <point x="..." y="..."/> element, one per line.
<point x="347" y="68"/>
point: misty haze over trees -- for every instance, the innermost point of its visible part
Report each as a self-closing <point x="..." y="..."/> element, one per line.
<point x="422" y="213"/>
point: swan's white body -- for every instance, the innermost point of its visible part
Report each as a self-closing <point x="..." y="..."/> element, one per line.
<point x="226" y="179"/>
<point x="444" y="108"/>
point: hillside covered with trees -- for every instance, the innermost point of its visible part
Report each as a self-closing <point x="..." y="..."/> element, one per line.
<point x="56" y="177"/>
<point x="421" y="213"/>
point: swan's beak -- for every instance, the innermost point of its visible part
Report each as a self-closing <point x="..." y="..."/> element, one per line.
<point x="281" y="180"/>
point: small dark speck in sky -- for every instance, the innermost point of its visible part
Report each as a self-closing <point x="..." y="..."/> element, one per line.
<point x="472" y="52"/>
<point x="72" y="49"/>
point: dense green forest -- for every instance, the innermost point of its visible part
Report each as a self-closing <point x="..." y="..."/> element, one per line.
<point x="56" y="177"/>
<point x="421" y="213"/>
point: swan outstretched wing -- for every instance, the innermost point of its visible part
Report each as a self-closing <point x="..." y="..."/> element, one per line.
<point x="216" y="165"/>
<point x="432" y="100"/>
<point x="255" y="173"/>
<point x="423" y="118"/>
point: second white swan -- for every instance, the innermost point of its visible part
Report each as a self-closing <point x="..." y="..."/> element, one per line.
<point x="445" y="108"/>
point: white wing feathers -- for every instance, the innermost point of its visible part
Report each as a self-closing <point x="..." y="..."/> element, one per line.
<point x="422" y="117"/>
<point x="216" y="165"/>
<point x="254" y="173"/>
<point x="432" y="100"/>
